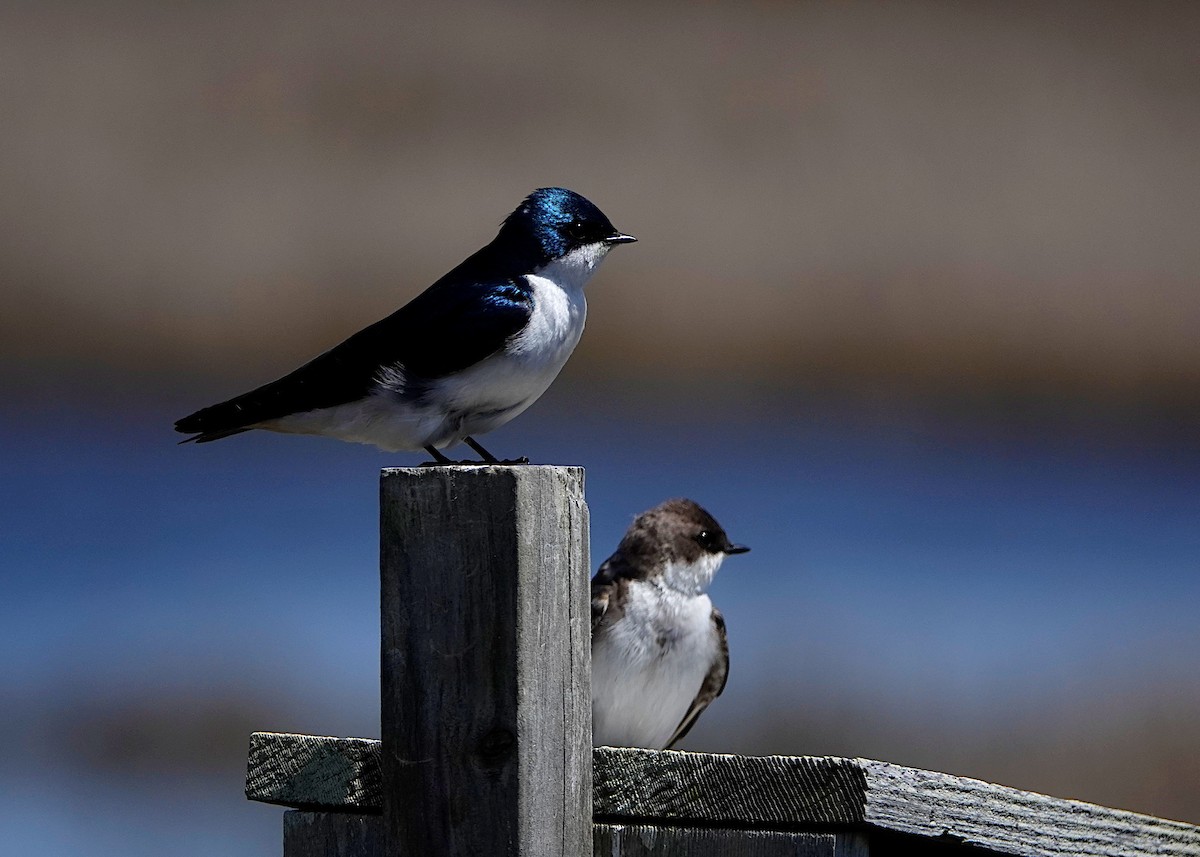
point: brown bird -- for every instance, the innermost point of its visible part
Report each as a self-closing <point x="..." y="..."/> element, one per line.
<point x="659" y="650"/>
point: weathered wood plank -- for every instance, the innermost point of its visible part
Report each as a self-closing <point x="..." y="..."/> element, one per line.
<point x="642" y="840"/>
<point x="315" y="772"/>
<point x="486" y="709"/>
<point x="768" y="792"/>
<point x="788" y="792"/>
<point x="339" y="834"/>
<point x="332" y="834"/>
<point x="1010" y="821"/>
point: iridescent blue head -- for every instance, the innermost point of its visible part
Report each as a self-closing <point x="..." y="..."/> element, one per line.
<point x="559" y="221"/>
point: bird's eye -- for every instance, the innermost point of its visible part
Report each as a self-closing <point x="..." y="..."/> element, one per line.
<point x="576" y="229"/>
<point x="709" y="540"/>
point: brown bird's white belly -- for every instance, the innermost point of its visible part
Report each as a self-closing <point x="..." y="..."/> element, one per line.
<point x="648" y="666"/>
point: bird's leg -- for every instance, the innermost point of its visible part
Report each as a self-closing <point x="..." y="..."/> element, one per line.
<point x="487" y="457"/>
<point x="438" y="458"/>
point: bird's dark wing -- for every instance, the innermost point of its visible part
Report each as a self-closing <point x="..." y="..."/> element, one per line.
<point x="601" y="598"/>
<point x="452" y="325"/>
<point x="448" y="327"/>
<point x="606" y="601"/>
<point x="712" y="685"/>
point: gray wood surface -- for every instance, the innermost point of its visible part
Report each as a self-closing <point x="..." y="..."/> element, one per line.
<point x="780" y="791"/>
<point x="336" y="834"/>
<point x="1010" y="821"/>
<point x="332" y="834"/>
<point x="486" y="716"/>
<point x="672" y="788"/>
<point x="642" y="840"/>
<point x="315" y="772"/>
<point x="770" y="792"/>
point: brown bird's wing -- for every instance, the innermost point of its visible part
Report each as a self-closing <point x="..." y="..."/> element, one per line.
<point x="712" y="685"/>
<point x="600" y="599"/>
<point x="606" y="603"/>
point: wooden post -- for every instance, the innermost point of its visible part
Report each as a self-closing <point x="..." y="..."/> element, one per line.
<point x="487" y="727"/>
<point x="486" y="718"/>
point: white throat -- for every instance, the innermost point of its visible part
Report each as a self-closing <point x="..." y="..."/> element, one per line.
<point x="692" y="578"/>
<point x="572" y="271"/>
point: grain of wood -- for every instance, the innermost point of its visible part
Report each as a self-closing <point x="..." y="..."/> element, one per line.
<point x="486" y="717"/>
<point x="1009" y="821"/>
<point x="332" y="834"/>
<point x="641" y="840"/>
<point x="770" y="792"/>
<point x="312" y="771"/>
<point x="786" y="793"/>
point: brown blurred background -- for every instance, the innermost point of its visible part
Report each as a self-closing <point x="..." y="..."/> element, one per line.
<point x="926" y="194"/>
<point x="938" y="226"/>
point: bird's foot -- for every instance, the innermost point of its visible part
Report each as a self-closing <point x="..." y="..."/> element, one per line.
<point x="440" y="460"/>
<point x="488" y="458"/>
<point x="507" y="462"/>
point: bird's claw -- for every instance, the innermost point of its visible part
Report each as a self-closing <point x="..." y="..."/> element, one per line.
<point x="508" y="462"/>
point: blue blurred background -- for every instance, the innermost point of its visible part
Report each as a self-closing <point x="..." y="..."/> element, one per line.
<point x="914" y="314"/>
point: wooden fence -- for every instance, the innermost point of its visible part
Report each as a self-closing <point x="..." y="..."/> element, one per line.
<point x="486" y="726"/>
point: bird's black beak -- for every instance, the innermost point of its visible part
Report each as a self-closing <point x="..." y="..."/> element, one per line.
<point x="619" y="238"/>
<point x="736" y="549"/>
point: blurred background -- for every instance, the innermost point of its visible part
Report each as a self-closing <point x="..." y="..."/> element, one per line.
<point x="914" y="313"/>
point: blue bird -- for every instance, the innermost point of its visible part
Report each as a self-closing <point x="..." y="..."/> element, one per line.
<point x="464" y="357"/>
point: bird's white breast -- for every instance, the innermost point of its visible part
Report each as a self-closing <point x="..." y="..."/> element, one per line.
<point x="497" y="389"/>
<point x="481" y="397"/>
<point x="648" y="666"/>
